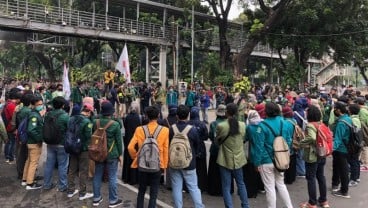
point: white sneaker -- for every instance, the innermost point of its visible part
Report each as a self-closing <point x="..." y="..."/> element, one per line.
<point x="85" y="196"/>
<point x="24" y="183"/>
<point x="71" y="194"/>
<point x="353" y="183"/>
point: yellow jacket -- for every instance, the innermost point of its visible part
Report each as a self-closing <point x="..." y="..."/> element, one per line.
<point x="162" y="142"/>
<point x="109" y="76"/>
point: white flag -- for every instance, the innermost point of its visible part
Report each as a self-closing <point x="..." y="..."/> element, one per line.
<point x="66" y="84"/>
<point x="123" y="64"/>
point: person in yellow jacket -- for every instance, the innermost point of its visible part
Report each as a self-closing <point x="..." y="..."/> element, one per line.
<point x="108" y="80"/>
<point x="150" y="178"/>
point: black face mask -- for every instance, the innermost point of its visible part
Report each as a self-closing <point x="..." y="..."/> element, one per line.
<point x="60" y="89"/>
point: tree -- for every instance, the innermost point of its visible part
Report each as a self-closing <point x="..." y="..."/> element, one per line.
<point x="221" y="9"/>
<point x="273" y="16"/>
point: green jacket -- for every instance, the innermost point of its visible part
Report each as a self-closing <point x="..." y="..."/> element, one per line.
<point x="212" y="135"/>
<point x="231" y="153"/>
<point x="113" y="134"/>
<point x="62" y="122"/>
<point x="23" y="113"/>
<point x="363" y="114"/>
<point x="309" y="144"/>
<point x="35" y="128"/>
<point x="85" y="130"/>
<point x="94" y="92"/>
<point x="77" y="95"/>
<point x="341" y="134"/>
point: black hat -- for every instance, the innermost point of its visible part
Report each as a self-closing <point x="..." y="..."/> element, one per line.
<point x="107" y="109"/>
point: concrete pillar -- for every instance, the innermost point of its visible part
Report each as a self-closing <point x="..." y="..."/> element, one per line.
<point x="148" y="65"/>
<point x="163" y="56"/>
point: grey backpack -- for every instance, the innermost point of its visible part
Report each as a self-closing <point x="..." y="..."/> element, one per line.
<point x="149" y="154"/>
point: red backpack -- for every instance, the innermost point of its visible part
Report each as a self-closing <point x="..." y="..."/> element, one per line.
<point x="324" y="141"/>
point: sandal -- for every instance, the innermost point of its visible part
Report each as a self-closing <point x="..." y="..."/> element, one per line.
<point x="324" y="204"/>
<point x="307" y="205"/>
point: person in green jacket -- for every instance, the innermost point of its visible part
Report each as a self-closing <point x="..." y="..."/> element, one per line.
<point x="341" y="134"/>
<point x="115" y="151"/>
<point x="78" y="166"/>
<point x="77" y="94"/>
<point x="56" y="152"/>
<point x="94" y="92"/>
<point x="363" y="116"/>
<point x="353" y="159"/>
<point x="230" y="137"/>
<point x="34" y="143"/>
<point x="22" y="150"/>
<point x="314" y="165"/>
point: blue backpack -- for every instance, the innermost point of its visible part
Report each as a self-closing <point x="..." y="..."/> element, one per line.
<point x="73" y="142"/>
<point x="22" y="131"/>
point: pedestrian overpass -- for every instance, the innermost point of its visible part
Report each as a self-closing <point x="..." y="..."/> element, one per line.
<point x="22" y="16"/>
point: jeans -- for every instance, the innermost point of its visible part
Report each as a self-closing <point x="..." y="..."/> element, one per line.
<point x="112" y="168"/>
<point x="354" y="166"/>
<point x="56" y="153"/>
<point x="272" y="178"/>
<point x="340" y="171"/>
<point x="226" y="178"/>
<point x="148" y="179"/>
<point x="78" y="167"/>
<point x="204" y="111"/>
<point x="190" y="178"/>
<point x="313" y="171"/>
<point x="300" y="166"/>
<point x="9" y="147"/>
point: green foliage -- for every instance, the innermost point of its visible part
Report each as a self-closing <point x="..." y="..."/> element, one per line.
<point x="257" y="26"/>
<point x="242" y="85"/>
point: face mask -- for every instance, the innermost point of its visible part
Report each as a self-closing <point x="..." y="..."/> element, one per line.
<point x="39" y="108"/>
<point x="60" y="89"/>
<point x="171" y="90"/>
<point x="26" y="88"/>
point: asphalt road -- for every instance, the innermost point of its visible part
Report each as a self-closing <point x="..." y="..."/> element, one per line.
<point x="12" y="194"/>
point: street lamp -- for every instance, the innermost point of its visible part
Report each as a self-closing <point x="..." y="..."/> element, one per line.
<point x="192" y="59"/>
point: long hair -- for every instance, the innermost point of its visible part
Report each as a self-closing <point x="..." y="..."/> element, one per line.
<point x="232" y="110"/>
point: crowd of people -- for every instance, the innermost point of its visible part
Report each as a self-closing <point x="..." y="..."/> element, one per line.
<point x="242" y="139"/>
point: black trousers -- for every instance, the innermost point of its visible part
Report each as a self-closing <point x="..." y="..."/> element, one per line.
<point x="148" y="179"/>
<point x="340" y="171"/>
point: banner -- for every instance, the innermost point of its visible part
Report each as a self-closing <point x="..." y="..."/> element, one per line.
<point x="66" y="84"/>
<point x="123" y="64"/>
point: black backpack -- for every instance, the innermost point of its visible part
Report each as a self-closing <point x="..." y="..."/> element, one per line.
<point x="355" y="143"/>
<point x="73" y="141"/>
<point x="51" y="131"/>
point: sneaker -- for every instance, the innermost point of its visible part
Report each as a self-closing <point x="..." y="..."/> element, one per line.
<point x="117" y="203"/>
<point x="7" y="160"/>
<point x="358" y="180"/>
<point x="335" y="188"/>
<point x="300" y="176"/>
<point x="363" y="169"/>
<point x="324" y="204"/>
<point x="11" y="162"/>
<point x="85" y="196"/>
<point x="340" y="194"/>
<point x="33" y="186"/>
<point x="353" y="183"/>
<point x="24" y="183"/>
<point x="97" y="203"/>
<point x="70" y="194"/>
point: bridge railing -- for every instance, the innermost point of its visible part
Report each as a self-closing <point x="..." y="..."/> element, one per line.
<point x="22" y="9"/>
<point x="69" y="17"/>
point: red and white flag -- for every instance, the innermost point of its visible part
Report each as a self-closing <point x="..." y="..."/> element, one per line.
<point x="66" y="84"/>
<point x="123" y="64"/>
